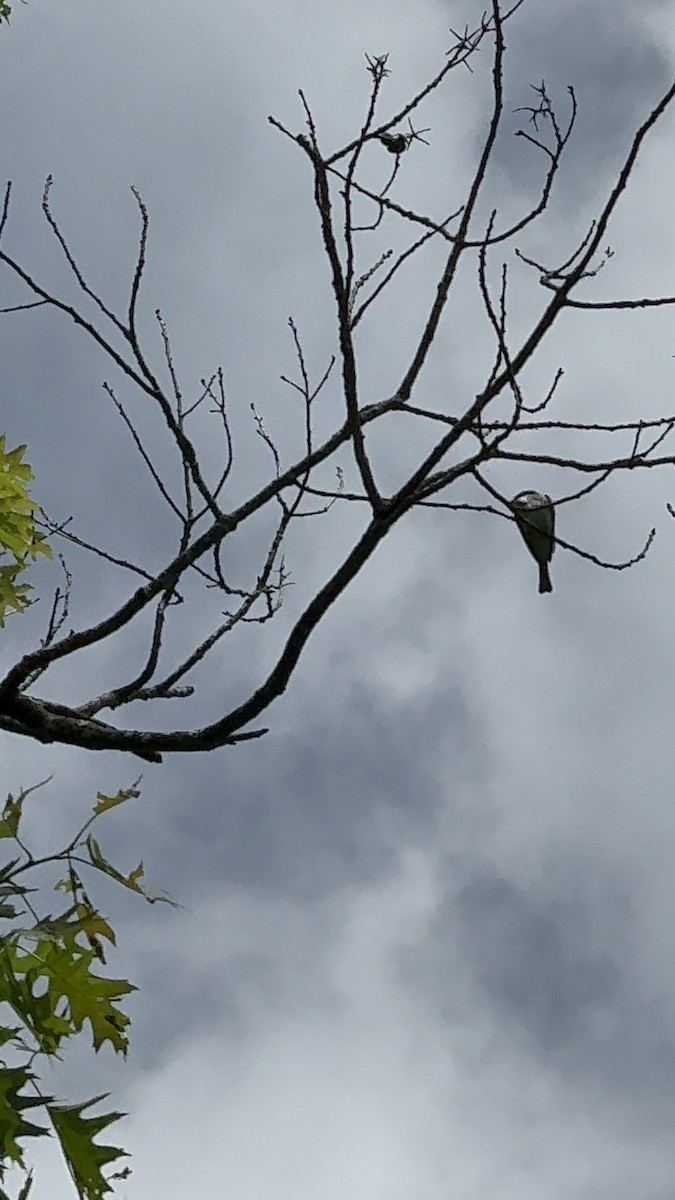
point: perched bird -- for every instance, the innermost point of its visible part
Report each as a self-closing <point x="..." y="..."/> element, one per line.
<point x="535" y="517"/>
<point x="395" y="143"/>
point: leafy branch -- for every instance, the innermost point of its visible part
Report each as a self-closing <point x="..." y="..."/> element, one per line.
<point x="52" y="993"/>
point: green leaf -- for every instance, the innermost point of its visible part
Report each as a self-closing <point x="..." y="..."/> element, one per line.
<point x="85" y="1157"/>
<point x="130" y="881"/>
<point x="11" y="815"/>
<point x="26" y="1188"/>
<point x="13" y="1124"/>
<point x="74" y="994"/>
<point x="19" y="536"/>
<point x="8" y="868"/>
<point x="103" y="802"/>
<point x="13" y="810"/>
<point x="37" y="1012"/>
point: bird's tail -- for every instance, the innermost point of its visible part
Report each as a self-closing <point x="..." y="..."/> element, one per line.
<point x="545" y="584"/>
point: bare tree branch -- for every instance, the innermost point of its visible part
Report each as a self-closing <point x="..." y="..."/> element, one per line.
<point x="501" y="424"/>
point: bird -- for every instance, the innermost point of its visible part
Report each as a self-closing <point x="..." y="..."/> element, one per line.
<point x="535" y="517"/>
<point x="395" y="143"/>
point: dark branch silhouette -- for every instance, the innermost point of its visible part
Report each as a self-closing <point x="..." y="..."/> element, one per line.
<point x="494" y="426"/>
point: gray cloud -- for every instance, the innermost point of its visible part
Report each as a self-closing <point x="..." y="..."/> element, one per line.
<point x="426" y="945"/>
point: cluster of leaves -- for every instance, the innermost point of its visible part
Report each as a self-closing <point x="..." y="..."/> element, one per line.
<point x="49" y="988"/>
<point x="20" y="540"/>
<point x="51" y="993"/>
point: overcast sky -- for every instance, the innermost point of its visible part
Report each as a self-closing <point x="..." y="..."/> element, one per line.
<point x="426" y="948"/>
